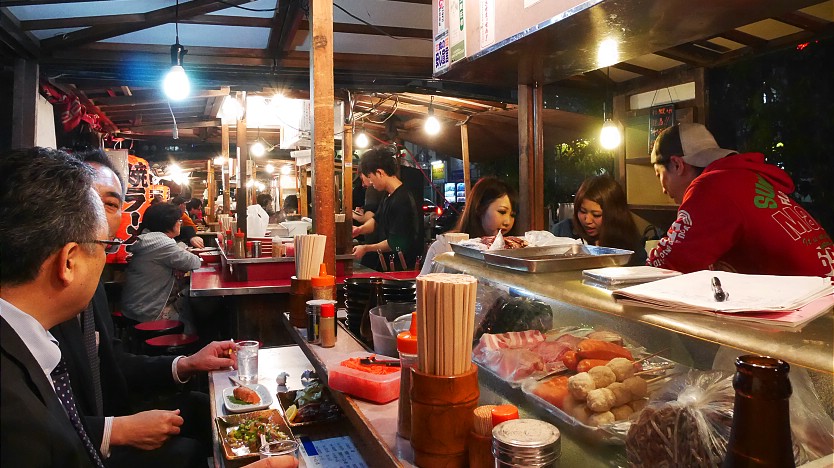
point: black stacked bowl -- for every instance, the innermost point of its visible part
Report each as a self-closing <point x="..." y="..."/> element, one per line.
<point x="358" y="291"/>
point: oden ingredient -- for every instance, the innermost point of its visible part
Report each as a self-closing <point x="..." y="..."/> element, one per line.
<point x="247" y="395"/>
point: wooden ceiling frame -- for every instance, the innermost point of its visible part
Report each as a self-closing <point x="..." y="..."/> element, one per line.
<point x="19" y="41"/>
<point x="150" y="19"/>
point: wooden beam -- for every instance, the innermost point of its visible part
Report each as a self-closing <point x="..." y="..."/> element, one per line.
<point x="224" y="150"/>
<point x="284" y="24"/>
<point x="157" y="97"/>
<point x="464" y="146"/>
<point x="531" y="159"/>
<point x="744" y="38"/>
<point x="168" y="126"/>
<point x="22" y="43"/>
<point x="636" y="69"/>
<point x="322" y="101"/>
<point x="359" y="28"/>
<point x="243" y="161"/>
<point x="803" y="21"/>
<point x="152" y="18"/>
<point x="211" y="188"/>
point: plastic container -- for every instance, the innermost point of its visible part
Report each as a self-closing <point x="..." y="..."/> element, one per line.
<point x="371" y="387"/>
<point x="327" y="326"/>
<point x="249" y="249"/>
<point x="239" y="249"/>
<point x="407" y="347"/>
<point x="324" y="285"/>
<point x="502" y="413"/>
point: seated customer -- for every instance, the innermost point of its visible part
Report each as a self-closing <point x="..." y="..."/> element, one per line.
<point x="149" y="291"/>
<point x="188" y="232"/>
<point x="735" y="213"/>
<point x="601" y="217"/>
<point x="491" y="207"/>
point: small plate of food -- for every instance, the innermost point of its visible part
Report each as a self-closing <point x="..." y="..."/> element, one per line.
<point x="243" y="434"/>
<point x="251" y="397"/>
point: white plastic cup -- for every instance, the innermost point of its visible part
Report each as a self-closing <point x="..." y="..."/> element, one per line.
<point x="247" y="361"/>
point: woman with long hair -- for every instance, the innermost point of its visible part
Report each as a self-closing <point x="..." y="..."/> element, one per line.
<point x="490" y="207"/>
<point x="601" y="217"/>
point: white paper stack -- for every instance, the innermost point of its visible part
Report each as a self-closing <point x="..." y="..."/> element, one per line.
<point x="626" y="275"/>
<point x="788" y="301"/>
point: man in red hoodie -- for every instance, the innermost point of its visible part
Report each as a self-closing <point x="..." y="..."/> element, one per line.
<point x="735" y="213"/>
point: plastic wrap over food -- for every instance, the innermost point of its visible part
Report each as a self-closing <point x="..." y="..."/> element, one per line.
<point x="509" y="314"/>
<point x="515" y="356"/>
<point x="546" y="238"/>
<point x="686" y="423"/>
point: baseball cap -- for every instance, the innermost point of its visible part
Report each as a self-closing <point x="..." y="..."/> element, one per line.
<point x="692" y="141"/>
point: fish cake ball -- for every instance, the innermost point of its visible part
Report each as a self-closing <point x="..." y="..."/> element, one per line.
<point x="601" y="419"/>
<point x="580" y="384"/>
<point x="600" y="400"/>
<point x="582" y="413"/>
<point x="639" y="404"/>
<point x="622" y="412"/>
<point x="603" y="376"/>
<point x="570" y="403"/>
<point x="621" y="394"/>
<point x="622" y="367"/>
<point x="637" y="386"/>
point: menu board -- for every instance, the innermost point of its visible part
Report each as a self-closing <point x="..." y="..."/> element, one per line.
<point x="660" y="117"/>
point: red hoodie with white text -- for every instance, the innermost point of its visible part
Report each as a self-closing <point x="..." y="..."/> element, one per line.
<point x="737" y="216"/>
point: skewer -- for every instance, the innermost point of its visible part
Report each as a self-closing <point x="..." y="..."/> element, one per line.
<point x="651" y="355"/>
<point x="655" y="369"/>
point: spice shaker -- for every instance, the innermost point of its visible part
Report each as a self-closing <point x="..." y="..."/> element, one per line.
<point x="327" y="326"/>
<point x="526" y="443"/>
<point x="407" y="347"/>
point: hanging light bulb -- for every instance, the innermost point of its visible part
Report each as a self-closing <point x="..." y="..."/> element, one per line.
<point x="286" y="169"/>
<point x="269" y="168"/>
<point x="610" y="137"/>
<point x="257" y="149"/>
<point x="176" y="84"/>
<point x="362" y="140"/>
<point x="219" y="160"/>
<point x="432" y="125"/>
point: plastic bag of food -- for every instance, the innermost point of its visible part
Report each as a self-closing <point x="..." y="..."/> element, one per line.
<point x="686" y="423"/>
<point x="510" y="314"/>
<point x="545" y="238"/>
<point x="515" y="356"/>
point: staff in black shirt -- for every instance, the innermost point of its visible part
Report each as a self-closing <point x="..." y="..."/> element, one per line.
<point x="396" y="226"/>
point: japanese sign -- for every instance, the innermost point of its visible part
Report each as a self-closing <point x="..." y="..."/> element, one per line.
<point x="660" y="117"/>
<point x="441" y="52"/>
<point x="457" y="31"/>
<point x="140" y="192"/>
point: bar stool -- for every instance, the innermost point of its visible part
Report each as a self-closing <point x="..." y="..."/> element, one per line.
<point x="180" y="343"/>
<point x="146" y="330"/>
<point x="119" y="324"/>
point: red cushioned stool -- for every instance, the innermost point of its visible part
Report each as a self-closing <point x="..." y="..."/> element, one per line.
<point x="119" y="324"/>
<point x="172" y="344"/>
<point x="146" y="330"/>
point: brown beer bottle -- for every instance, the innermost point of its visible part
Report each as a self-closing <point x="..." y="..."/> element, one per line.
<point x="761" y="432"/>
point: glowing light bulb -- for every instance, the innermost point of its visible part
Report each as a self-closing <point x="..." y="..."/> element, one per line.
<point x="432" y="125"/>
<point x="176" y="84"/>
<point x="286" y="169"/>
<point x="257" y="149"/>
<point x="269" y="168"/>
<point x="219" y="161"/>
<point x="362" y="140"/>
<point x="610" y="137"/>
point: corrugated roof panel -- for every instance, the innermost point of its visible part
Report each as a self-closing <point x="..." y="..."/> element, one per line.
<point x="256" y="5"/>
<point x="205" y="35"/>
<point x="377" y="45"/>
<point x="81" y="9"/>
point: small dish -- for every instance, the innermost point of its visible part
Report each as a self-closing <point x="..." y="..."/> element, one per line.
<point x="287" y="399"/>
<point x="263" y="392"/>
<point x="235" y="450"/>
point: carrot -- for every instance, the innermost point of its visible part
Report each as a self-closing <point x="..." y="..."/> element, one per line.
<point x="587" y="364"/>
<point x="596" y="349"/>
<point x="569" y="360"/>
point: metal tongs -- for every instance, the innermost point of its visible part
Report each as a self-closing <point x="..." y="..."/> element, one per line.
<point x="371" y="360"/>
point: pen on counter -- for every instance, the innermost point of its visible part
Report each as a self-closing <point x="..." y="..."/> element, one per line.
<point x="717" y="292"/>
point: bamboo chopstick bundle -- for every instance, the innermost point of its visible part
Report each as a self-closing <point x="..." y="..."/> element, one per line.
<point x="309" y="254"/>
<point x="483" y="420"/>
<point x="445" y="322"/>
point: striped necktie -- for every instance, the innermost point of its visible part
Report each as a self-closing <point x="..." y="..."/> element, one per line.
<point x="89" y="336"/>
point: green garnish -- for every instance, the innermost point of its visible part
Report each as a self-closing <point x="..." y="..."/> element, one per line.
<point x="237" y="401"/>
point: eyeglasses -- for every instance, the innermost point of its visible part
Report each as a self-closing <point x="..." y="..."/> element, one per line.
<point x="110" y="246"/>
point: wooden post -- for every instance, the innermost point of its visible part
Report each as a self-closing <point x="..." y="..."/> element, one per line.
<point x="243" y="158"/>
<point x="302" y="190"/>
<point x="531" y="158"/>
<point x="211" y="187"/>
<point x="24" y="103"/>
<point x="321" y="95"/>
<point x="224" y="150"/>
<point x="347" y="172"/>
<point x="464" y="144"/>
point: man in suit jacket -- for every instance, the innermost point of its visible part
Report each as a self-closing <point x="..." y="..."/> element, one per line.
<point x="125" y="437"/>
<point x="52" y="256"/>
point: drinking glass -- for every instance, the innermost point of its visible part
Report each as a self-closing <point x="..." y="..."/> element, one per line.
<point x="247" y="361"/>
<point x="278" y="448"/>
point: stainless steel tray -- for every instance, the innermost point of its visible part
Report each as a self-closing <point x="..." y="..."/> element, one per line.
<point x="467" y="251"/>
<point x="557" y="258"/>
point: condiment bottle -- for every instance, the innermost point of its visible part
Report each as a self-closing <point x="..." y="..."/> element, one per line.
<point x="323" y="285"/>
<point x="249" y="249"/>
<point x="240" y="245"/>
<point x="375" y="299"/>
<point x="761" y="431"/>
<point x="503" y="413"/>
<point x="276" y="247"/>
<point x="327" y="326"/>
<point x="407" y="347"/>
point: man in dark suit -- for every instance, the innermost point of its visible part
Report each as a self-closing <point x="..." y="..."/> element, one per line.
<point x="52" y="256"/>
<point x="161" y="438"/>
